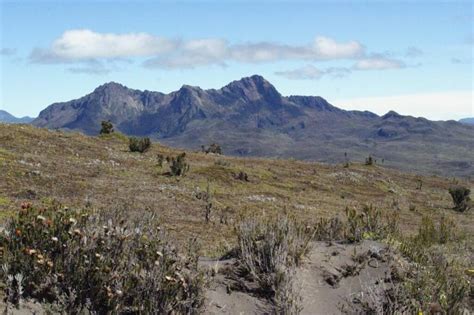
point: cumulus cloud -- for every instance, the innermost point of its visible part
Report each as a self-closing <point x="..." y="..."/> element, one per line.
<point x="310" y="72"/>
<point x="379" y="63"/>
<point x="328" y="48"/>
<point x="77" y="45"/>
<point x="82" y="45"/>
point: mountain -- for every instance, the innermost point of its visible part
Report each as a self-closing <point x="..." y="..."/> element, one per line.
<point x="250" y="117"/>
<point x="6" y="117"/>
<point x="468" y="121"/>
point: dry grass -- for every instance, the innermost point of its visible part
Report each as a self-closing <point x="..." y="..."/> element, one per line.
<point x="37" y="164"/>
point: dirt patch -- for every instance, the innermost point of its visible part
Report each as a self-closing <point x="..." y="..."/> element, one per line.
<point x="329" y="281"/>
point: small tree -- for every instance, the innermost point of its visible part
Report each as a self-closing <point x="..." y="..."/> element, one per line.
<point x="460" y="195"/>
<point x="139" y="145"/>
<point x="107" y="127"/>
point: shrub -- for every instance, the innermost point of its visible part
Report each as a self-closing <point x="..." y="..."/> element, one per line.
<point x="139" y="145"/>
<point x="206" y="197"/>
<point x="433" y="279"/>
<point x="243" y="176"/>
<point x="428" y="234"/>
<point x="427" y="281"/>
<point x="369" y="160"/>
<point x="460" y="195"/>
<point x="107" y="127"/>
<point x="329" y="229"/>
<point x="160" y="159"/>
<point x="213" y="148"/>
<point x="369" y="224"/>
<point x="269" y="251"/>
<point x="178" y="165"/>
<point x="96" y="262"/>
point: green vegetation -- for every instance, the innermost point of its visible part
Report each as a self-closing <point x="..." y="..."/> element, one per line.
<point x="431" y="255"/>
<point x="178" y="165"/>
<point x="213" y="148"/>
<point x="139" y="145"/>
<point x="370" y="224"/>
<point x="107" y="128"/>
<point x="270" y="250"/>
<point x="461" y="199"/>
<point x="101" y="263"/>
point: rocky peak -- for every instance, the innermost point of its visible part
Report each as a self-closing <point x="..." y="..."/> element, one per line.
<point x="111" y="88"/>
<point x="253" y="88"/>
<point x="392" y="114"/>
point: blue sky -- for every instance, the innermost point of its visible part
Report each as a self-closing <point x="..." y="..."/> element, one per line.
<point x="413" y="57"/>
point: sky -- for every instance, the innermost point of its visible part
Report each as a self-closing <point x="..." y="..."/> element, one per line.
<point x="414" y="57"/>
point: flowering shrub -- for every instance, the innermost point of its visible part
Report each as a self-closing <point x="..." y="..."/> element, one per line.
<point x="86" y="261"/>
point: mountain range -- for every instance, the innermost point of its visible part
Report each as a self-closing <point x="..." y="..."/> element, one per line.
<point x="468" y="121"/>
<point x="250" y="117"/>
<point x="6" y="117"/>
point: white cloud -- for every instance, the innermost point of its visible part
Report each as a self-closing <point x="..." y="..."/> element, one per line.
<point x="429" y="105"/>
<point x="75" y="46"/>
<point x="328" y="48"/>
<point x="378" y="63"/>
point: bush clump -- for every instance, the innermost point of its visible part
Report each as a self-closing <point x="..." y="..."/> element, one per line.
<point x="83" y="261"/>
<point x="269" y="251"/>
<point x="369" y="224"/>
<point x="369" y="161"/>
<point x="461" y="199"/>
<point x="139" y="145"/>
<point x="107" y="127"/>
<point x="178" y="165"/>
<point x="213" y="148"/>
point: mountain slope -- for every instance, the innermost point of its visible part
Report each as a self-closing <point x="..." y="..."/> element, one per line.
<point x="6" y="117"/>
<point x="250" y="117"/>
<point x="468" y="121"/>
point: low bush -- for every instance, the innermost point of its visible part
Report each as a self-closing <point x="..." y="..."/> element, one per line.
<point x="433" y="280"/>
<point x="178" y="165"/>
<point x="106" y="127"/>
<point x="369" y="161"/>
<point x="94" y="262"/>
<point x="461" y="199"/>
<point x="269" y="250"/>
<point x="243" y="176"/>
<point x="369" y="224"/>
<point x="213" y="148"/>
<point x="139" y="145"/>
<point x="329" y="229"/>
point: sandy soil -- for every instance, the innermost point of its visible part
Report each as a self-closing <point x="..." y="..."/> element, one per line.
<point x="330" y="280"/>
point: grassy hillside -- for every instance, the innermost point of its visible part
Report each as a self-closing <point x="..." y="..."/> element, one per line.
<point x="40" y="165"/>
